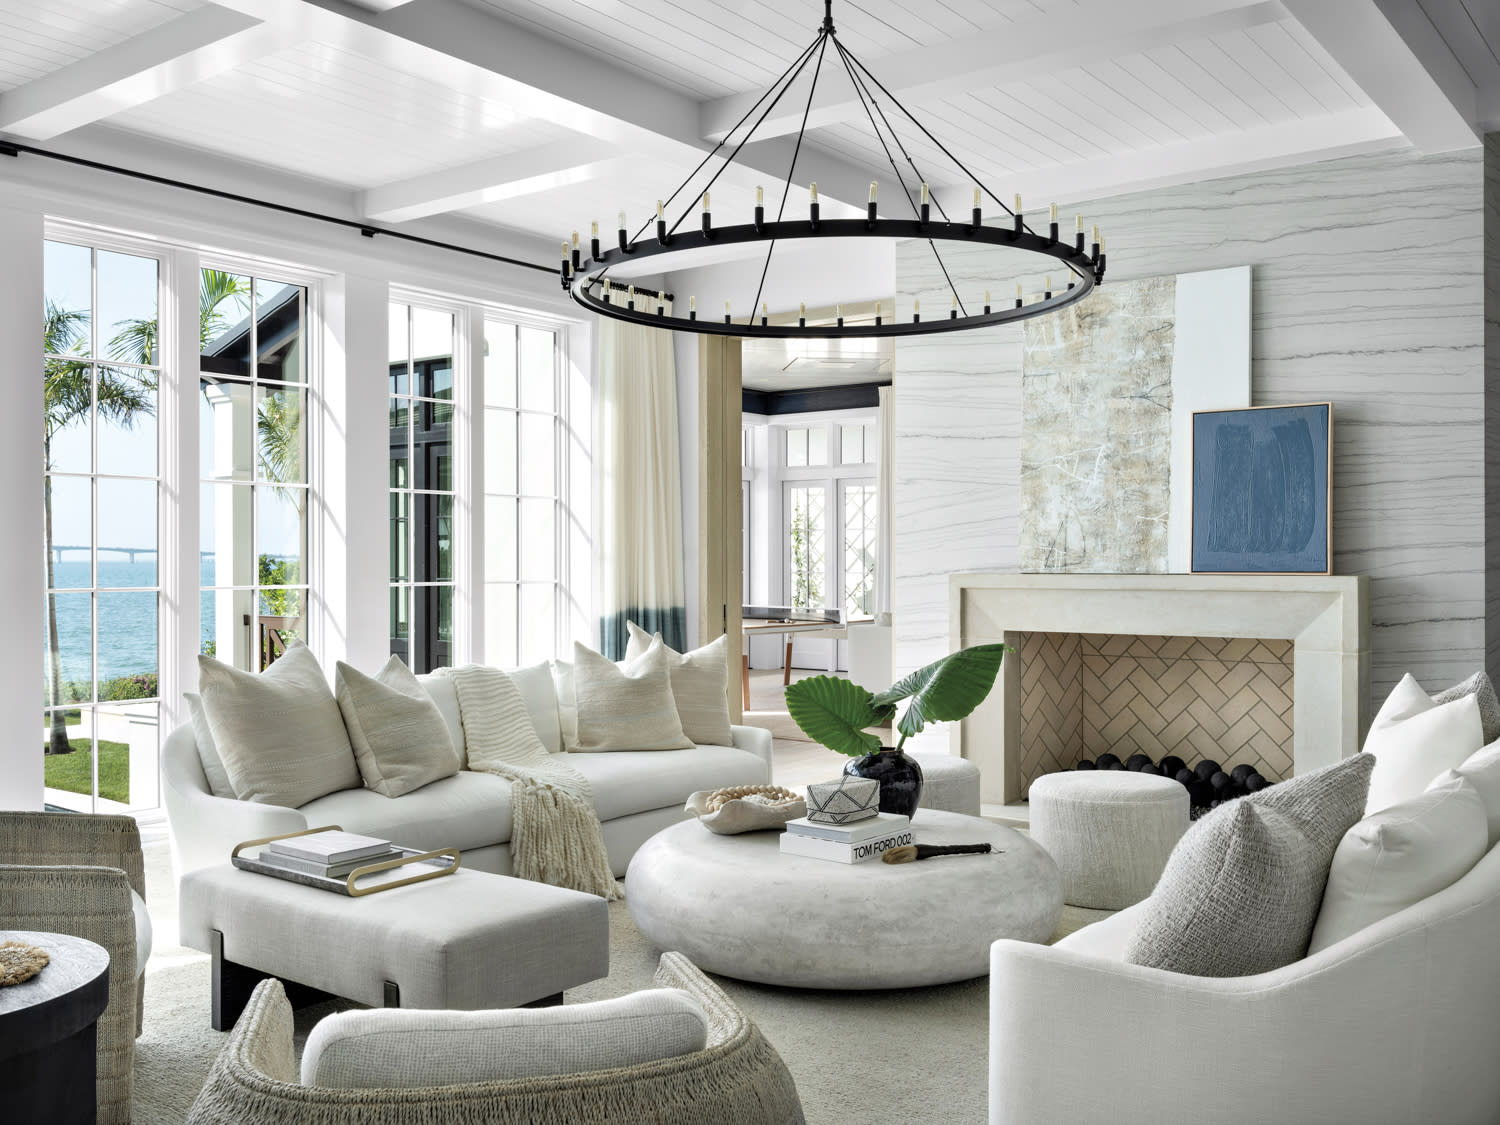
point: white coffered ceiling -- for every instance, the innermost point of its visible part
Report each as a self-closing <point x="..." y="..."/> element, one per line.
<point x="539" y="116"/>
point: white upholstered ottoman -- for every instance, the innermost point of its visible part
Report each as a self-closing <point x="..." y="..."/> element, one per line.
<point x="949" y="783"/>
<point x="1110" y="832"/>
<point x="466" y="941"/>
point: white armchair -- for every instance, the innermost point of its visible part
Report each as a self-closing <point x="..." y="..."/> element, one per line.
<point x="1397" y="1023"/>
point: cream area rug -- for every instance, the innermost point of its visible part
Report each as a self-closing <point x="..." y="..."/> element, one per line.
<point x="914" y="1055"/>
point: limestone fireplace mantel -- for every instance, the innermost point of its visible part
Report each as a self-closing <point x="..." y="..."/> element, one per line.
<point x="1327" y="619"/>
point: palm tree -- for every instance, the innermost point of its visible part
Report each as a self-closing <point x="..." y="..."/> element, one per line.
<point x="70" y="388"/>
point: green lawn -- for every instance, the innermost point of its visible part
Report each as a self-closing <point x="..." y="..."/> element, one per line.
<point x="73" y="772"/>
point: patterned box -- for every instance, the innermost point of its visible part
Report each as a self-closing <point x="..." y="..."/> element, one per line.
<point x="845" y="801"/>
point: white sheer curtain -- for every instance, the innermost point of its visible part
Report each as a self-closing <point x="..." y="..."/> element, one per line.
<point x="886" y="501"/>
<point x="640" y="487"/>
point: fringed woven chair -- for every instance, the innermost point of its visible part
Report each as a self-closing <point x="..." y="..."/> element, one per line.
<point x="83" y="874"/>
<point x="737" y="1078"/>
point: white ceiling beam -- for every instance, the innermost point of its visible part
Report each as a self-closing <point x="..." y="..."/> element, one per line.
<point x="480" y="54"/>
<point x="1397" y="57"/>
<point x="1267" y="147"/>
<point x="497" y="178"/>
<point x="186" y="49"/>
<point x="1095" y="30"/>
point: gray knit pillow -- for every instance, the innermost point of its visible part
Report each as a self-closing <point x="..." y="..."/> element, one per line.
<point x="1489" y="703"/>
<point x="1241" y="891"/>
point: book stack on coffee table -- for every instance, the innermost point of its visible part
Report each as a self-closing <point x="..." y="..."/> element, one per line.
<point x="859" y="842"/>
<point x="333" y="855"/>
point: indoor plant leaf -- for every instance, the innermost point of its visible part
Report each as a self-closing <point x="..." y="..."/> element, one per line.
<point x="945" y="690"/>
<point x="836" y="712"/>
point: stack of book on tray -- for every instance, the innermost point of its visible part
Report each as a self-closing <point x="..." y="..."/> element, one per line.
<point x="858" y="842"/>
<point x="332" y="855"/>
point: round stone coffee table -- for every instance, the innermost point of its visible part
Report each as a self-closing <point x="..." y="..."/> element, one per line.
<point x="735" y="905"/>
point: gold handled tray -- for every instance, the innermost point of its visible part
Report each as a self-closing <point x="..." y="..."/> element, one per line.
<point x="367" y="880"/>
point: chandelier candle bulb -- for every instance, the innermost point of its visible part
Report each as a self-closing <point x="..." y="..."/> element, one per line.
<point x="692" y="308"/>
<point x="874" y="190"/>
<point x="1078" y="237"/>
<point x="594" y="241"/>
<point x="812" y="205"/>
<point x="1048" y="289"/>
<point x="624" y="235"/>
<point x="953" y="308"/>
<point x="577" y="252"/>
<point x="926" y="202"/>
<point x="802" y="315"/>
<point x="609" y="290"/>
<point x="838" y="312"/>
<point x="871" y="211"/>
<point x="760" y="209"/>
<point x="630" y="297"/>
<point x="708" y="220"/>
<point x="877" y="314"/>
<point x="1020" y="295"/>
<point x="1016" y="212"/>
<point x="765" y="312"/>
<point x="1052" y="223"/>
<point x="726" y="312"/>
<point x="977" y="218"/>
<point x="812" y="191"/>
<point x="986" y="302"/>
<point x="916" y="309"/>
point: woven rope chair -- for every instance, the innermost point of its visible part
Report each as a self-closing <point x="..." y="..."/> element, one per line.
<point x="737" y="1079"/>
<point x="72" y="873"/>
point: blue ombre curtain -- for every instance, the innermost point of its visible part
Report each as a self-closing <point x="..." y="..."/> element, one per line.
<point x="640" y="488"/>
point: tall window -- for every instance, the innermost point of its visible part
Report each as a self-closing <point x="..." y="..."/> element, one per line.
<point x="253" y="461"/>
<point x="102" y="375"/>
<point x="423" y="345"/>
<point x="830" y="515"/>
<point x="536" y="469"/>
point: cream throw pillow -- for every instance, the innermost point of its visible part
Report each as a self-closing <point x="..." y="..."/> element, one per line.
<point x="1482" y="770"/>
<point x="386" y="1048"/>
<point x="208" y="753"/>
<point x="1414" y="739"/>
<point x="279" y="733"/>
<point x="625" y="709"/>
<point x="1401" y="855"/>
<point x="700" y="684"/>
<point x="400" y="739"/>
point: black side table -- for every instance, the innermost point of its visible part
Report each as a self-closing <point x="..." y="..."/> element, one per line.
<point x="48" y="1032"/>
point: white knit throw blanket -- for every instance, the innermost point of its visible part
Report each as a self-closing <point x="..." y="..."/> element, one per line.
<point x="555" y="836"/>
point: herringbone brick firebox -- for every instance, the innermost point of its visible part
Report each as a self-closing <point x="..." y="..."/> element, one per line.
<point x="1083" y="694"/>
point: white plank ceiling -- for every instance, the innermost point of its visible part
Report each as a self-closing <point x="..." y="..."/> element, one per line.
<point x="541" y="115"/>
<point x="324" y="112"/>
<point x="38" y="38"/>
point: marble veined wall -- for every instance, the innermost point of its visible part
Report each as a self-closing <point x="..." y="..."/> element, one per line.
<point x="1367" y="291"/>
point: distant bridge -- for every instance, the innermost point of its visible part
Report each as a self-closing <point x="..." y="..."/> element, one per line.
<point x="58" y="549"/>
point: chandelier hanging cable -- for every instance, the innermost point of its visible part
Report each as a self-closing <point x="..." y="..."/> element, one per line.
<point x="588" y="282"/>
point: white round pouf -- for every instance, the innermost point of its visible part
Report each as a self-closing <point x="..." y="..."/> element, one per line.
<point x="1110" y="832"/>
<point x="949" y="783"/>
<point x="736" y="905"/>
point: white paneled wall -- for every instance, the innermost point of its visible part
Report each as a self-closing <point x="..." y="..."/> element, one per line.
<point x="1367" y="291"/>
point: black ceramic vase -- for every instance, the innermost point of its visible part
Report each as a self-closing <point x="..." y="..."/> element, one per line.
<point x="900" y="778"/>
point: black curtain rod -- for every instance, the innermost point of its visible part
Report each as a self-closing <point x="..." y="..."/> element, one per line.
<point x="15" y="148"/>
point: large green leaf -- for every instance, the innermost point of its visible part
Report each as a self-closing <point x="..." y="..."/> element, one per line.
<point x="946" y="690"/>
<point x="836" y="712"/>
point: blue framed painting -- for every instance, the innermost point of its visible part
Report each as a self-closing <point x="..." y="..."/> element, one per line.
<point x="1262" y="479"/>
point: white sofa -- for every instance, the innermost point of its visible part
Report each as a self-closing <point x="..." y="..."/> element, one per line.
<point x="635" y="793"/>
<point x="1397" y="1023"/>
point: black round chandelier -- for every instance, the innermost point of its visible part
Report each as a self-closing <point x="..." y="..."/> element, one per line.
<point x="1079" y="264"/>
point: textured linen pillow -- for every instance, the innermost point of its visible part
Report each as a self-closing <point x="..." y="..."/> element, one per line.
<point x="400" y="739"/>
<point x="1401" y="855"/>
<point x="1414" y="739"/>
<point x="1482" y="770"/>
<point x="279" y="734"/>
<point x="625" y="709"/>
<point x="1241" y="891"/>
<point x="395" y="1047"/>
<point x="700" y="684"/>
<point x="208" y="753"/>
<point x="1479" y="686"/>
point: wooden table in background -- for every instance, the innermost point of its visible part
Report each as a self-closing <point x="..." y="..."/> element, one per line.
<point x="816" y="630"/>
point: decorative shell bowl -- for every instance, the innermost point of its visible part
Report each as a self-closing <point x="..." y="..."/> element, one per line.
<point x="745" y="808"/>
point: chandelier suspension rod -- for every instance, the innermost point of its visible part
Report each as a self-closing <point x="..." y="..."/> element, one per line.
<point x="861" y="92"/>
<point x="797" y="65"/>
<point x="823" y="37"/>
<point x="964" y="168"/>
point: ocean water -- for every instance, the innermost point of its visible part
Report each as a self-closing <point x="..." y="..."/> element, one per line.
<point x="128" y="625"/>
